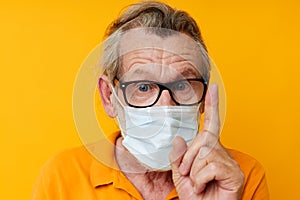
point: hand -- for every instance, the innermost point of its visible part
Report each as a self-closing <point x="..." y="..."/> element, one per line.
<point x="205" y="170"/>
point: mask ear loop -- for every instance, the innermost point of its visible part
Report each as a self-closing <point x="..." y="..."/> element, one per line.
<point x="120" y="106"/>
<point x="115" y="95"/>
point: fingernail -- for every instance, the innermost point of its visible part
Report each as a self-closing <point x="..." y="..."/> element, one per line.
<point x="203" y="152"/>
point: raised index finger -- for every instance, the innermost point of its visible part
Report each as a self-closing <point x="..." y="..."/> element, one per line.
<point x="203" y="143"/>
<point x="211" y="111"/>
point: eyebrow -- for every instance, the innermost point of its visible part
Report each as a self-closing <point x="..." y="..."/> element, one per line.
<point x="187" y="71"/>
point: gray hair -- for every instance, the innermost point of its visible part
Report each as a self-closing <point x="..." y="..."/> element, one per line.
<point x="157" y="16"/>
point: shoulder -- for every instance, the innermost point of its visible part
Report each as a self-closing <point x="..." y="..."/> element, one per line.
<point x="72" y="156"/>
<point x="255" y="184"/>
<point x="242" y="157"/>
<point x="247" y="163"/>
<point x="62" y="169"/>
<point x="78" y="161"/>
<point x="65" y="165"/>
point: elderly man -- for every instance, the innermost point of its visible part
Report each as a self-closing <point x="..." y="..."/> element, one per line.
<point x="155" y="82"/>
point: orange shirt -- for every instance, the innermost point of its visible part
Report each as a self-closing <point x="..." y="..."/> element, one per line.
<point x="76" y="175"/>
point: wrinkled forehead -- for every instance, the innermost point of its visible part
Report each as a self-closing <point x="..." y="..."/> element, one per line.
<point x="171" y="42"/>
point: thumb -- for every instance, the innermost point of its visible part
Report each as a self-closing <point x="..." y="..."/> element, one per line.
<point x="176" y="155"/>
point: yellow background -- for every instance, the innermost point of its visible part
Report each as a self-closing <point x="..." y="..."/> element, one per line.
<point x="255" y="44"/>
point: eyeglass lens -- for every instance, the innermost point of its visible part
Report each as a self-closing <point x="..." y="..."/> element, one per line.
<point x="145" y="93"/>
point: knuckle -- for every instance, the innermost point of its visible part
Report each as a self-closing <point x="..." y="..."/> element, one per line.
<point x="213" y="166"/>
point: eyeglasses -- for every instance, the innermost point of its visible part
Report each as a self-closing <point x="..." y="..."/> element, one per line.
<point x="144" y="93"/>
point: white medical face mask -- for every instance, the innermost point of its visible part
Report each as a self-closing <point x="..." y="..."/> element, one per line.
<point x="148" y="132"/>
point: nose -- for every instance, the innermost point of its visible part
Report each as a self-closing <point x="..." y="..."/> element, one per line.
<point x="165" y="99"/>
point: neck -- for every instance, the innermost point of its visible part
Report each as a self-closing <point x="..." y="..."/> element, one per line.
<point x="147" y="182"/>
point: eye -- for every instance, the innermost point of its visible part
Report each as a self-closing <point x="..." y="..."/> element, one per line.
<point x="180" y="86"/>
<point x="144" y="87"/>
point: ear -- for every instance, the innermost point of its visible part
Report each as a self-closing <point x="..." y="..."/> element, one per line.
<point x="106" y="95"/>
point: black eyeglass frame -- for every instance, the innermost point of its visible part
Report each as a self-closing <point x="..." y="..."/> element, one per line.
<point x="162" y="87"/>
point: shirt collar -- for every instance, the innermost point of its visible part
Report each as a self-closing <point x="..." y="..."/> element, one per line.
<point x="106" y="171"/>
<point x="104" y="166"/>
